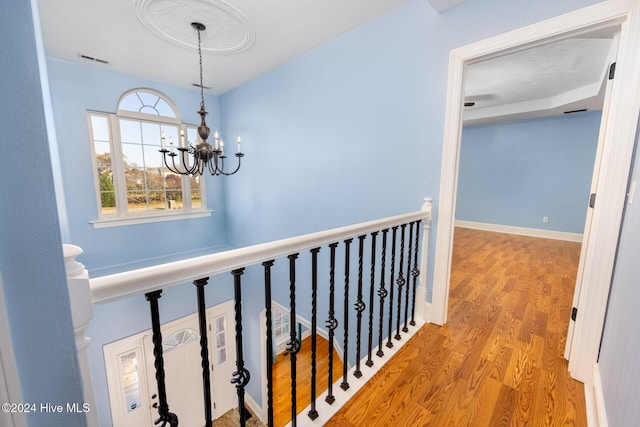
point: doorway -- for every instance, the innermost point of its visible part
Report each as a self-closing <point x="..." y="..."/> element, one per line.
<point x="620" y="127"/>
<point x="129" y="364"/>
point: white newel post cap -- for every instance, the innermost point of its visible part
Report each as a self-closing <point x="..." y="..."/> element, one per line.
<point x="78" y="284"/>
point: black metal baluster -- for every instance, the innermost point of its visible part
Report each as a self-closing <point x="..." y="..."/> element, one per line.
<point x="163" y="406"/>
<point x="293" y="346"/>
<point x="415" y="273"/>
<point x="345" y="384"/>
<point x="313" y="413"/>
<point x="382" y="292"/>
<point x="267" y="302"/>
<point x="391" y="282"/>
<point x="406" y="298"/>
<point x="241" y="376"/>
<point x="374" y="235"/>
<point x="359" y="306"/>
<point x="400" y="281"/>
<point x="332" y="322"/>
<point x="204" y="350"/>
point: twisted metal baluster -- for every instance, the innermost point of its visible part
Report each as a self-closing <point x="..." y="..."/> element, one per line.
<point x="332" y="322"/>
<point x="359" y="306"/>
<point x="374" y="235"/>
<point x="204" y="349"/>
<point x="415" y="273"/>
<point x="163" y="406"/>
<point x="267" y="302"/>
<point x="241" y="376"/>
<point x="382" y="291"/>
<point x="345" y="384"/>
<point x="391" y="281"/>
<point x="313" y="413"/>
<point x="406" y="298"/>
<point x="400" y="281"/>
<point x="293" y="346"/>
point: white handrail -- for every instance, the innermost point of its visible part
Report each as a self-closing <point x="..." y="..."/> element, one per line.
<point x="140" y="281"/>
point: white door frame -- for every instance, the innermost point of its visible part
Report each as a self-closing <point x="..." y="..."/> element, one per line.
<point x="10" y="391"/>
<point x="612" y="178"/>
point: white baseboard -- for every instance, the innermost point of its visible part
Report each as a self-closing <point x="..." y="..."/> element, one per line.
<point x="594" y="401"/>
<point x="522" y="231"/>
<point x="254" y="407"/>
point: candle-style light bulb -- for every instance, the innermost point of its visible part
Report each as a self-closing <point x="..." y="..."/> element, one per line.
<point x="171" y="143"/>
<point x="162" y="140"/>
<point x="221" y="147"/>
<point x="238" y="143"/>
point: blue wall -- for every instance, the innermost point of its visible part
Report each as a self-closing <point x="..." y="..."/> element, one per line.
<point x="348" y="132"/>
<point x="515" y="173"/>
<point x="619" y="368"/>
<point x="31" y="262"/>
<point x="75" y="90"/>
<point x="352" y="130"/>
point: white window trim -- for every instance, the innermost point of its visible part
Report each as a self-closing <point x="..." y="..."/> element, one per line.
<point x="123" y="217"/>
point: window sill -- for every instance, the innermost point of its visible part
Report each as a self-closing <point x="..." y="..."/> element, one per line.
<point x="149" y="217"/>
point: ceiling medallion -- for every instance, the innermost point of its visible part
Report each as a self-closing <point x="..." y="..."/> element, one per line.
<point x="230" y="30"/>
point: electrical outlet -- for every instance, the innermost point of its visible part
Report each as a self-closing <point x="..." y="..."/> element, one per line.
<point x="545" y="219"/>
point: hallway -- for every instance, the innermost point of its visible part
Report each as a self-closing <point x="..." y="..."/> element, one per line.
<point x="499" y="361"/>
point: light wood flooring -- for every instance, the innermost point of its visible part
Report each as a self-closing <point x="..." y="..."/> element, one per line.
<point x="282" y="379"/>
<point x="499" y="360"/>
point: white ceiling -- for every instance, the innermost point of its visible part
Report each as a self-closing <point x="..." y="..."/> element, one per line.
<point x="153" y="39"/>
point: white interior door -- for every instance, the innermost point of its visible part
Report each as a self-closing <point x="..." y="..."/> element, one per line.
<point x="594" y="189"/>
<point x="182" y="369"/>
<point x="222" y="357"/>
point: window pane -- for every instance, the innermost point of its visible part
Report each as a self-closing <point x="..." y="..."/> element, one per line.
<point x="130" y="102"/>
<point x="164" y="109"/>
<point x="130" y="382"/>
<point x="130" y="131"/>
<point x="196" y="201"/>
<point x="134" y="178"/>
<point x="132" y="154"/>
<point x="151" y="134"/>
<point x="148" y="98"/>
<point x="220" y="340"/>
<point x="152" y="157"/>
<point x="136" y="200"/>
<point x="100" y="128"/>
<point x="220" y="326"/>
<point x="222" y="356"/>
<point x="157" y="200"/>
<point x="174" y="199"/>
<point x="173" y="181"/>
<point x="155" y="180"/>
<point x="103" y="153"/>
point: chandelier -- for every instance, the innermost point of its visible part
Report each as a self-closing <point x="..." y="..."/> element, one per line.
<point x="194" y="160"/>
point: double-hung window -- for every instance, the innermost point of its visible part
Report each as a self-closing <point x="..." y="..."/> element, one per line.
<point x="132" y="183"/>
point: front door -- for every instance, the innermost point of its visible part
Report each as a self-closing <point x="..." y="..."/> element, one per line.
<point x="131" y="373"/>
<point x="182" y="369"/>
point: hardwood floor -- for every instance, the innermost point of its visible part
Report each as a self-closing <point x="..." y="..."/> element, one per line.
<point x="282" y="379"/>
<point x="499" y="361"/>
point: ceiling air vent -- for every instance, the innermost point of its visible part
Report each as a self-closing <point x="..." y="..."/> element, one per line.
<point x="94" y="59"/>
<point x="575" y="111"/>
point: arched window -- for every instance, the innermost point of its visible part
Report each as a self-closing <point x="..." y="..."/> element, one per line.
<point x="131" y="180"/>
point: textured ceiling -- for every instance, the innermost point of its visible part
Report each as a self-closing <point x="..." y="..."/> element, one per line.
<point x="154" y="38"/>
<point x="565" y="75"/>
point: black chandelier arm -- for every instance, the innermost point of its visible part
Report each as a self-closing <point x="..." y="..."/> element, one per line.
<point x="164" y="152"/>
<point x="239" y="156"/>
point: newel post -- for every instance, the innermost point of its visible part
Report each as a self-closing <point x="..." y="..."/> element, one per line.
<point x="81" y="313"/>
<point x="421" y="292"/>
